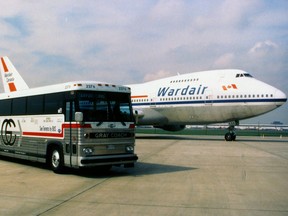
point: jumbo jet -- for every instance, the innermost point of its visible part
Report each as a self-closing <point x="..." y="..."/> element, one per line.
<point x="205" y="97"/>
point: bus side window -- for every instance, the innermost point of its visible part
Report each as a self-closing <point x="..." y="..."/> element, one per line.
<point x="53" y="103"/>
<point x="35" y="105"/>
<point x="5" y="107"/>
<point x="19" y="106"/>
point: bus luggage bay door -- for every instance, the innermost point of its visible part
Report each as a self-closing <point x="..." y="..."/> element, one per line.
<point x="71" y="135"/>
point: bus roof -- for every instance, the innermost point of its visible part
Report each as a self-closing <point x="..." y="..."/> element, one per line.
<point x="65" y="87"/>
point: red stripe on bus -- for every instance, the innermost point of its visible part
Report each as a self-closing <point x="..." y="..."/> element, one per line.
<point x="43" y="134"/>
<point x="4" y="65"/>
<point x="58" y="135"/>
<point x="67" y="125"/>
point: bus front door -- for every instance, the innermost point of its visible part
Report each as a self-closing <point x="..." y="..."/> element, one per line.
<point x="71" y="135"/>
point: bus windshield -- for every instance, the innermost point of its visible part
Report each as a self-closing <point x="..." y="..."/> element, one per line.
<point x="104" y="106"/>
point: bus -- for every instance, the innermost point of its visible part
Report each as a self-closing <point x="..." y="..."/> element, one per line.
<point x="76" y="124"/>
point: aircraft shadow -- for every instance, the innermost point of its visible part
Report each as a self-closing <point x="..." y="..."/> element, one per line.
<point x="179" y="137"/>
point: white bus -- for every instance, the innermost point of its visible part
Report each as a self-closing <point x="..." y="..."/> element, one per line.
<point x="76" y="124"/>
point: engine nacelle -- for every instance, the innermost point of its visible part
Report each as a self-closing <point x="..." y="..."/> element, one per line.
<point x="172" y="128"/>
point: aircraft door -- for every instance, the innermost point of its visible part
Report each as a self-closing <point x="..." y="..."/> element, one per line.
<point x="153" y="102"/>
<point x="208" y="97"/>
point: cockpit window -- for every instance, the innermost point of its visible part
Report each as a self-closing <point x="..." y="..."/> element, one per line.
<point x="247" y="75"/>
<point x="243" y="75"/>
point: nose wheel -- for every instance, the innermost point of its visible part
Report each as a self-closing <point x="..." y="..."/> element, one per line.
<point x="231" y="135"/>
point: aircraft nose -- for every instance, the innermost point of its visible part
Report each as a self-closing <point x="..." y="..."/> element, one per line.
<point x="280" y="97"/>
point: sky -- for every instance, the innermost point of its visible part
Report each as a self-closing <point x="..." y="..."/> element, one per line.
<point x="128" y="41"/>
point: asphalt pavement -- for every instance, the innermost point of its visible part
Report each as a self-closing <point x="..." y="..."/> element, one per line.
<point x="175" y="175"/>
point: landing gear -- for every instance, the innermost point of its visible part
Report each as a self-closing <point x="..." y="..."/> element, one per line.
<point x="231" y="135"/>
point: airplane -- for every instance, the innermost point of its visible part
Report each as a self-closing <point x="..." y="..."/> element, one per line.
<point x="205" y="97"/>
<point x="10" y="76"/>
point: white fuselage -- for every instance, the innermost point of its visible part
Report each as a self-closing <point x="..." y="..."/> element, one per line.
<point x="203" y="98"/>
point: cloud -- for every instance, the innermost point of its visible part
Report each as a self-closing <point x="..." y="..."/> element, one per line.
<point x="126" y="42"/>
<point x="168" y="12"/>
<point x="225" y="61"/>
<point x="19" y="24"/>
<point x="263" y="48"/>
<point x="157" y="75"/>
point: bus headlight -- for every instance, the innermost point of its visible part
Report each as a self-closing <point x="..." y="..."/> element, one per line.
<point x="129" y="149"/>
<point x="87" y="151"/>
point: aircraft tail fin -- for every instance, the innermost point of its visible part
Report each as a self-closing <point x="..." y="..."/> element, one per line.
<point x="12" y="80"/>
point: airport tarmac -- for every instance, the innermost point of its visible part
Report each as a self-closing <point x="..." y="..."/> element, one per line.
<point x="175" y="175"/>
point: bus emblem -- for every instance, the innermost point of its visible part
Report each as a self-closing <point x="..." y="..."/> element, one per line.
<point x="112" y="125"/>
<point x="7" y="135"/>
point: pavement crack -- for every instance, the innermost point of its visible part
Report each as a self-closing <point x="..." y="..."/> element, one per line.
<point x="72" y="197"/>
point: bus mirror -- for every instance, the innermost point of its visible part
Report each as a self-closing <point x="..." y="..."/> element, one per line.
<point x="78" y="116"/>
<point x="60" y="110"/>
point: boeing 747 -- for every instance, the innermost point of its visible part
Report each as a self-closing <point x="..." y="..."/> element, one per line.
<point x="203" y="98"/>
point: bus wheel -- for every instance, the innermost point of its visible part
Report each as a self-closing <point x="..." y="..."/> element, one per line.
<point x="56" y="160"/>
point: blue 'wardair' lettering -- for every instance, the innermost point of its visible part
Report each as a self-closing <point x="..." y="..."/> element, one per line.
<point x="200" y="90"/>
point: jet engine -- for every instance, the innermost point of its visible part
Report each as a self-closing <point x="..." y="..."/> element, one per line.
<point x="172" y="128"/>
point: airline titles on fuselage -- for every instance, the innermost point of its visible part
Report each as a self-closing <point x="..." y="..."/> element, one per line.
<point x="189" y="90"/>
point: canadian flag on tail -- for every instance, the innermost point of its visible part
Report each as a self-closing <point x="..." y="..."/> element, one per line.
<point x="231" y="86"/>
<point x="12" y="80"/>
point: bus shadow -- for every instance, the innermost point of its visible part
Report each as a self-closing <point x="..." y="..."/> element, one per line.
<point x="143" y="168"/>
<point x="24" y="162"/>
<point x="140" y="169"/>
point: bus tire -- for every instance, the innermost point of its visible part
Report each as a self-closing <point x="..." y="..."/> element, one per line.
<point x="56" y="159"/>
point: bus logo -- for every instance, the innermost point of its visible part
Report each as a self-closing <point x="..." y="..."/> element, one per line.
<point x="6" y="134"/>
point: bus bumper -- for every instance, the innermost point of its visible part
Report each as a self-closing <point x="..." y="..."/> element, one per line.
<point x="108" y="160"/>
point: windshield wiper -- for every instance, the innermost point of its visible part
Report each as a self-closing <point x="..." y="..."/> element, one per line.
<point x="99" y="123"/>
